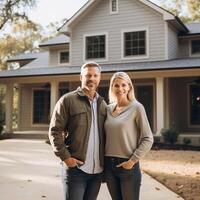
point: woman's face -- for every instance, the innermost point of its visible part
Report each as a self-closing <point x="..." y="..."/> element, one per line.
<point x="120" y="88"/>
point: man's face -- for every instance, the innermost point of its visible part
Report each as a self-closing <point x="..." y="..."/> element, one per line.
<point x="90" y="78"/>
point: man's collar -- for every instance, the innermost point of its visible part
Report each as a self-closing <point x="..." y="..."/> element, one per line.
<point x="82" y="93"/>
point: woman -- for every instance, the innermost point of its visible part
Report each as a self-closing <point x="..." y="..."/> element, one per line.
<point x="128" y="138"/>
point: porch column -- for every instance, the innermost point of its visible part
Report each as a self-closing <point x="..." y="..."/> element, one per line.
<point x="160" y="104"/>
<point x="9" y="107"/>
<point x="54" y="95"/>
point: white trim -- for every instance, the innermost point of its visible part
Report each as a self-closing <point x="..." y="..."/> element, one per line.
<point x="114" y="12"/>
<point x="166" y="40"/>
<point x="189" y="108"/>
<point x="65" y="63"/>
<point x="84" y="46"/>
<point x="147" y="43"/>
<point x="190" y="49"/>
<point x="32" y="107"/>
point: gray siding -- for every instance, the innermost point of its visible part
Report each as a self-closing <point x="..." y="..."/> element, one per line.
<point x="183" y="51"/>
<point x="54" y="56"/>
<point x="172" y="43"/>
<point x="131" y="14"/>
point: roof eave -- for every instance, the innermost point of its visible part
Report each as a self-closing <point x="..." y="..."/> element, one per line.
<point x="18" y="60"/>
<point x="50" y="45"/>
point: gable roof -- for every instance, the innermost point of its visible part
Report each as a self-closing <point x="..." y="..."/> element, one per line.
<point x="59" y="40"/>
<point x="91" y="3"/>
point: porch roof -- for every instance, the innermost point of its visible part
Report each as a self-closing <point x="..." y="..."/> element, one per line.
<point x="186" y="63"/>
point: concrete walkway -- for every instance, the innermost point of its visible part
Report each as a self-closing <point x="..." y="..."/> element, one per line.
<point x="30" y="171"/>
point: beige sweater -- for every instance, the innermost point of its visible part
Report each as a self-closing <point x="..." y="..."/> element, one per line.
<point x="128" y="135"/>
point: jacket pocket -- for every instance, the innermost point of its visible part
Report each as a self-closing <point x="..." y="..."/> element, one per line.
<point x="78" y="116"/>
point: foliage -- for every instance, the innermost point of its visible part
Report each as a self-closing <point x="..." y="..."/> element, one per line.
<point x="1" y="127"/>
<point x="186" y="140"/>
<point x="170" y="135"/>
<point x="20" y="39"/>
<point x="11" y="10"/>
<point x="187" y="10"/>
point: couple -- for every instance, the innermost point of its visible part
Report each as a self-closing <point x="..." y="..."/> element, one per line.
<point x="95" y="140"/>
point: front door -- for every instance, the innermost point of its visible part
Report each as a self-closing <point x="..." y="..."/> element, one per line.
<point x="144" y="94"/>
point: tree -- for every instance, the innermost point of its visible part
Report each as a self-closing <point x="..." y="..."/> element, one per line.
<point x="194" y="9"/>
<point x="21" y="38"/>
<point x="14" y="9"/>
<point x="186" y="10"/>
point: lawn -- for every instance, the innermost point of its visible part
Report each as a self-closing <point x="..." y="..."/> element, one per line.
<point x="177" y="169"/>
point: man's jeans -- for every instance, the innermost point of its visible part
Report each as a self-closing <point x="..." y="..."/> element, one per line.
<point x="123" y="184"/>
<point x="79" y="185"/>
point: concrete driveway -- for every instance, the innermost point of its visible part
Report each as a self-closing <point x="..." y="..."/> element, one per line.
<point x="30" y="171"/>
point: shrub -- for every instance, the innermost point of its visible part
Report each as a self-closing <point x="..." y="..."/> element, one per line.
<point x="1" y="128"/>
<point x="186" y="140"/>
<point x="156" y="139"/>
<point x="170" y="135"/>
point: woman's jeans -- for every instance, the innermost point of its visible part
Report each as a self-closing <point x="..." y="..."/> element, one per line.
<point x="78" y="185"/>
<point x="123" y="184"/>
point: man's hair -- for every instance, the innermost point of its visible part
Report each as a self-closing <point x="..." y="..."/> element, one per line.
<point x="90" y="64"/>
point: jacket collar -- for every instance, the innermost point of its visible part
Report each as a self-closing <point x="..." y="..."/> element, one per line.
<point x="82" y="93"/>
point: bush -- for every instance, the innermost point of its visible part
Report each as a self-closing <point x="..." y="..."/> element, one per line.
<point x="1" y="128"/>
<point x="170" y="135"/>
<point x="186" y="140"/>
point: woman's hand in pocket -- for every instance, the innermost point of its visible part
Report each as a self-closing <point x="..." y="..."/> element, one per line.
<point x="127" y="164"/>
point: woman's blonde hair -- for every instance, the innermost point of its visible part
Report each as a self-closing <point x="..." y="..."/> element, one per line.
<point x="124" y="76"/>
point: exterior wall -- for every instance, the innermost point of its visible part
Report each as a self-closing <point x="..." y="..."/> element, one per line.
<point x="131" y="14"/>
<point x="172" y="43"/>
<point x="183" y="51"/>
<point x="179" y="105"/>
<point x="54" y="56"/>
<point x="185" y="47"/>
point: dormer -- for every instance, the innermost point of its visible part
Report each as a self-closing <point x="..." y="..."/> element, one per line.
<point x="190" y="42"/>
<point x="58" y="48"/>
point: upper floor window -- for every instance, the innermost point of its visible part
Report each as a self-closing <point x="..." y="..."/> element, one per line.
<point x="113" y="6"/>
<point x="95" y="47"/>
<point x="64" y="57"/>
<point x="195" y="47"/>
<point x="135" y="43"/>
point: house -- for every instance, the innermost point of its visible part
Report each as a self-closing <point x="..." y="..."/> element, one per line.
<point x="159" y="52"/>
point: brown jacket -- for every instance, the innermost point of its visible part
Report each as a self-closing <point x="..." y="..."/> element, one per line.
<point x="72" y="114"/>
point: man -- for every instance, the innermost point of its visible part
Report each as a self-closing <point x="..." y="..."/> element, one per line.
<point x="80" y="114"/>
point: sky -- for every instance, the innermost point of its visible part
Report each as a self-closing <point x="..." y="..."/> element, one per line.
<point x="48" y="11"/>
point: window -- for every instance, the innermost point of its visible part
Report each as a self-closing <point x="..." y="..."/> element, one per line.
<point x="95" y="47"/>
<point x="195" y="47"/>
<point x="135" y="43"/>
<point x="195" y="104"/>
<point x="41" y="106"/>
<point x="64" y="57"/>
<point x="114" y="6"/>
